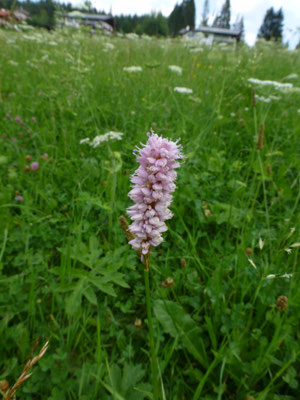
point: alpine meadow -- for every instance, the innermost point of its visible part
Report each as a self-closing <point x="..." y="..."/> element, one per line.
<point x="205" y="305"/>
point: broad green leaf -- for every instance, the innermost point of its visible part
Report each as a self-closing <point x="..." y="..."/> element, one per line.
<point x="90" y="295"/>
<point x="104" y="286"/>
<point x="176" y="321"/>
<point x="74" y="300"/>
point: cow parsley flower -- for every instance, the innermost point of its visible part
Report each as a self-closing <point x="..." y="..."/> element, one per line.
<point x="133" y="69"/>
<point x="275" y="84"/>
<point x="153" y="184"/>
<point x="183" y="90"/>
<point x="102" y="138"/>
<point x="176" y="69"/>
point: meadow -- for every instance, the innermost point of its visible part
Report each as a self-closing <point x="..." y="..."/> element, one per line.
<point x="224" y="295"/>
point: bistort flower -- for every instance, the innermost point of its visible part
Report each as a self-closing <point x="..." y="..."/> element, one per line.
<point x="153" y="184"/>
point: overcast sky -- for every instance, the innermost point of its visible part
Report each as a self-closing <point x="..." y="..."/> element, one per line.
<point x="253" y="12"/>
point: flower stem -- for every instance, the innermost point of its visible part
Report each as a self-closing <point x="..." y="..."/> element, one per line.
<point x="151" y="332"/>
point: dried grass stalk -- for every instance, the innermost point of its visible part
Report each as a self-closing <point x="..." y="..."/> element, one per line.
<point x="25" y="374"/>
<point x="260" y="140"/>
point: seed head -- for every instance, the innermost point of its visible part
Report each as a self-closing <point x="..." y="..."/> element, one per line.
<point x="282" y="303"/>
<point x="138" y="323"/>
<point x="167" y="282"/>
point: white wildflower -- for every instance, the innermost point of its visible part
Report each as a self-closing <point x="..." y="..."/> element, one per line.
<point x="183" y="90"/>
<point x="115" y="135"/>
<point x="133" y="69"/>
<point x="288" y="276"/>
<point x="105" y="138"/>
<point x="275" y="97"/>
<point x="277" y="85"/>
<point x="295" y="244"/>
<point x="176" y="69"/>
<point x="146" y="37"/>
<point x="262" y="99"/>
<point x="52" y="43"/>
<point x="196" y="50"/>
<point x="132" y="36"/>
<point x="246" y="109"/>
<point x="271" y="276"/>
<point x="86" y="140"/>
<point x="232" y="114"/>
<point x="291" y="76"/>
<point x="288" y="250"/>
<point x="14" y="63"/>
<point x="108" y="46"/>
<point x="291" y="90"/>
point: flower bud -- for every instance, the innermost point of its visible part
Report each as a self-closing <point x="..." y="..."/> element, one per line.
<point x="138" y="323"/>
<point x="282" y="303"/>
<point x="34" y="166"/>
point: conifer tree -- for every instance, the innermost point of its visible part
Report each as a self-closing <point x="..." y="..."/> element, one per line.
<point x="205" y="13"/>
<point x="223" y="19"/>
<point x="189" y="13"/>
<point x="182" y="15"/>
<point x="272" y="25"/>
<point x="239" y="26"/>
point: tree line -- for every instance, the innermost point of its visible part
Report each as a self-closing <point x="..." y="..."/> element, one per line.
<point x="42" y="14"/>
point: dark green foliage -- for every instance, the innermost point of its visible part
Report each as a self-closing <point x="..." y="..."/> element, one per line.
<point x="223" y="19"/>
<point x="42" y="14"/>
<point x="183" y="15"/>
<point x="154" y="24"/>
<point x="272" y="25"/>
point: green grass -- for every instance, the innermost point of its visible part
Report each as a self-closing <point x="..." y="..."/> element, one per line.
<point x="66" y="271"/>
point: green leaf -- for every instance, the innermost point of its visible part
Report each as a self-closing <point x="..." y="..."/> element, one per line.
<point x="74" y="300"/>
<point x="103" y="285"/>
<point x="90" y="295"/>
<point x="176" y="322"/>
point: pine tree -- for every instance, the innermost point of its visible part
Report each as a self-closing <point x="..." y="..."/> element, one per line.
<point x="205" y="13"/>
<point x="272" y="25"/>
<point x="239" y="26"/>
<point x="175" y="20"/>
<point x="223" y="19"/>
<point x="189" y="13"/>
<point x="182" y="15"/>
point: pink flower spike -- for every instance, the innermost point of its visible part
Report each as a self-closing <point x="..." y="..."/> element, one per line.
<point x="21" y="122"/>
<point x="19" y="199"/>
<point x="44" y="156"/>
<point x="14" y="139"/>
<point x="153" y="184"/>
<point x="34" y="166"/>
<point x="17" y="119"/>
<point x="8" y="115"/>
<point x="34" y="119"/>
